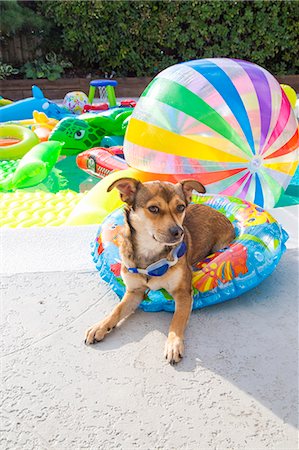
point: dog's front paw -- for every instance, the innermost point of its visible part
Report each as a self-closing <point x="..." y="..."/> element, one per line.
<point x="96" y="333"/>
<point x="174" y="349"/>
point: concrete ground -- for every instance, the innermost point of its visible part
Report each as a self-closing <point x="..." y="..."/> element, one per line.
<point x="236" y="388"/>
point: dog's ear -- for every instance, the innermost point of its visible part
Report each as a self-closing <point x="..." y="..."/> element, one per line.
<point x="189" y="185"/>
<point x="127" y="188"/>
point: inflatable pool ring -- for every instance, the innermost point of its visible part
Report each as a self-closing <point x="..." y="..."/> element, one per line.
<point x="4" y="142"/>
<point x="23" y="209"/>
<point x="226" y="118"/>
<point x="26" y="140"/>
<point x="34" y="167"/>
<point x="99" y="203"/>
<point x="245" y="263"/>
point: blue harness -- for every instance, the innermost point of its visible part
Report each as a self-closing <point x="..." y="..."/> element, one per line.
<point x="159" y="268"/>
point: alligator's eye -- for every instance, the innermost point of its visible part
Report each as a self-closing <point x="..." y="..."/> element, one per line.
<point x="91" y="164"/>
<point x="154" y="209"/>
<point x="79" y="134"/>
<point x="181" y="208"/>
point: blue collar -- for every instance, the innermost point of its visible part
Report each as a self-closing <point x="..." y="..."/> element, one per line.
<point x="159" y="268"/>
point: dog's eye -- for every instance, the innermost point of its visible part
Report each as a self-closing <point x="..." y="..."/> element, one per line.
<point x="181" y="208"/>
<point x="154" y="209"/>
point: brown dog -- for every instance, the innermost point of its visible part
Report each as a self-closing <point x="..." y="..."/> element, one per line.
<point x="160" y="224"/>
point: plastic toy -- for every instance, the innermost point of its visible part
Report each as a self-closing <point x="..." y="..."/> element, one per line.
<point x="128" y="102"/>
<point x="87" y="131"/>
<point x="41" y="124"/>
<point x="225" y="118"/>
<point x="4" y="101"/>
<point x="23" y="109"/>
<point x="293" y="187"/>
<point x="104" y="106"/>
<point x="75" y="101"/>
<point x="34" y="167"/>
<point x="112" y="141"/>
<point x="97" y="108"/>
<point x="106" y="90"/>
<point x="39" y="119"/>
<point x="251" y="257"/>
<point x="42" y="133"/>
<point x="7" y="169"/>
<point x="36" y="209"/>
<point x="290" y="93"/>
<point x="26" y="139"/>
<point x="101" y="161"/>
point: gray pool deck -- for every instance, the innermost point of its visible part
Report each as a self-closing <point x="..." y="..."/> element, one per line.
<point x="236" y="388"/>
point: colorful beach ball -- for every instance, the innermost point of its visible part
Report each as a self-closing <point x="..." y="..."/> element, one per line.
<point x="227" y="120"/>
<point x="75" y="101"/>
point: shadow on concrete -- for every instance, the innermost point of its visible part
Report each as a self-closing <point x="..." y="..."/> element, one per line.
<point x="251" y="341"/>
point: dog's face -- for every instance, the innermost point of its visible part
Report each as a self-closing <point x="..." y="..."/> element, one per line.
<point x="157" y="209"/>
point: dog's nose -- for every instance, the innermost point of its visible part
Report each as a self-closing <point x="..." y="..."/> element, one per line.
<point x="176" y="231"/>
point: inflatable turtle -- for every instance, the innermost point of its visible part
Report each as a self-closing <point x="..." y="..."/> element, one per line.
<point x="87" y="131"/>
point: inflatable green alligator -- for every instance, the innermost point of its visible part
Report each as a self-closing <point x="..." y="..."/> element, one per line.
<point x="87" y="130"/>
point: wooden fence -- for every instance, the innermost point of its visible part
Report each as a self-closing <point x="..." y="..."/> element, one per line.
<point x="127" y="86"/>
<point x="19" y="89"/>
<point x="19" y="49"/>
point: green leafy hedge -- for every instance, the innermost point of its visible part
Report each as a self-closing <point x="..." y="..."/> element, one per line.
<point x="137" y="38"/>
<point x="20" y="16"/>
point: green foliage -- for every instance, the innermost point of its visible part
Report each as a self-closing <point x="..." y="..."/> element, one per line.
<point x="137" y="38"/>
<point x="20" y="16"/>
<point x="6" y="70"/>
<point x="52" y="67"/>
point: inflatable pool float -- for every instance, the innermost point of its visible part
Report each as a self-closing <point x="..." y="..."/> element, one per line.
<point x="41" y="124"/>
<point x="39" y="119"/>
<point x="23" y="109"/>
<point x="26" y="139"/>
<point x="293" y="188"/>
<point x="290" y="93"/>
<point x="34" y="167"/>
<point x="7" y="169"/>
<point x="4" y="142"/>
<point x="42" y="133"/>
<point x="245" y="263"/>
<point x="88" y="130"/>
<point x="36" y="209"/>
<point x="4" y="101"/>
<point x="101" y="161"/>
